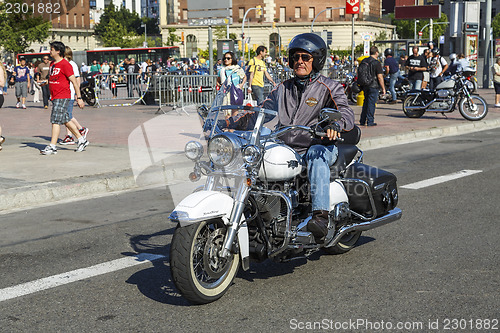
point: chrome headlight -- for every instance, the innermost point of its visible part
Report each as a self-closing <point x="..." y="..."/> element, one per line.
<point x="193" y="150"/>
<point x="252" y="154"/>
<point x="221" y="150"/>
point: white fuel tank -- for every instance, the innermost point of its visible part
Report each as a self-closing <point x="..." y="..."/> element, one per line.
<point x="337" y="194"/>
<point x="448" y="84"/>
<point x="280" y="163"/>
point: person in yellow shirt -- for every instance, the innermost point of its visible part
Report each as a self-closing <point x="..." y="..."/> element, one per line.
<point x="257" y="70"/>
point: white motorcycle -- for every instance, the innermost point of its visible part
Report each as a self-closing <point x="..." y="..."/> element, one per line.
<point x="255" y="203"/>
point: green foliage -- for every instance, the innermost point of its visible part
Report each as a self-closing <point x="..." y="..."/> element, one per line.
<point x="406" y="28"/>
<point x="116" y="35"/>
<point x="18" y="30"/>
<point x="495" y="24"/>
<point x="172" y="37"/>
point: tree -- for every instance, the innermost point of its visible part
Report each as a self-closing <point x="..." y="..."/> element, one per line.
<point x="406" y="28"/>
<point x="495" y="24"/>
<point x="172" y="37"/>
<point x="129" y="20"/>
<point x="19" y="30"/>
<point x="116" y="35"/>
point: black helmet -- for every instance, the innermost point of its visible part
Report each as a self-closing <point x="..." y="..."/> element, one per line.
<point x="388" y="52"/>
<point x="435" y="51"/>
<point x="311" y="43"/>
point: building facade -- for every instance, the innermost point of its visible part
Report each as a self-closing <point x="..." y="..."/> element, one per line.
<point x="279" y="21"/>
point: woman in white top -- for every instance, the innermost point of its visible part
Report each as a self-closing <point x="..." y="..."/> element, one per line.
<point x="496" y="82"/>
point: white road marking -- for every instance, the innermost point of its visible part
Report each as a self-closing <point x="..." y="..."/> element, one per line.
<point x="440" y="179"/>
<point x="76" y="275"/>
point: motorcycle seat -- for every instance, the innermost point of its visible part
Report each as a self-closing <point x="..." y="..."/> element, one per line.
<point x="347" y="152"/>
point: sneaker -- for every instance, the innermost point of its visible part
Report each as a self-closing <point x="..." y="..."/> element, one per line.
<point x="24" y="106"/>
<point x="82" y="146"/>
<point x="68" y="140"/>
<point x="83" y="132"/>
<point x="371" y="124"/>
<point x="48" y="151"/>
<point x="18" y="105"/>
<point x="393" y="102"/>
<point x="2" y="139"/>
<point x="45" y="107"/>
<point x="497" y="105"/>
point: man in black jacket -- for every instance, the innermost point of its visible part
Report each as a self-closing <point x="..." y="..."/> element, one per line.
<point x="371" y="91"/>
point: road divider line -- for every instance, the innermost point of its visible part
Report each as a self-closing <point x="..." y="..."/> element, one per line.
<point x="440" y="179"/>
<point x="76" y="275"/>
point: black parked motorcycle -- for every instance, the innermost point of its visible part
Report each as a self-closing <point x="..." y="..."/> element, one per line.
<point x="444" y="98"/>
<point x="402" y="86"/>
<point x="87" y="89"/>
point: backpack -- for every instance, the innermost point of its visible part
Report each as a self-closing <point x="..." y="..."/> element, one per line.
<point x="366" y="74"/>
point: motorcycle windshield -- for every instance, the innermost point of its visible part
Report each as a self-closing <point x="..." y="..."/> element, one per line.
<point x="223" y="116"/>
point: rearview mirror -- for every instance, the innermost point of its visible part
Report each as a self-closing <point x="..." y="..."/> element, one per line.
<point x="330" y="114"/>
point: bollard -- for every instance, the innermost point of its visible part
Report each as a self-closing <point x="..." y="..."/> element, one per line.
<point x="360" y="98"/>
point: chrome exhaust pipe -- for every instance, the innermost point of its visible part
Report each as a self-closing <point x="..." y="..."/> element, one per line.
<point x="393" y="215"/>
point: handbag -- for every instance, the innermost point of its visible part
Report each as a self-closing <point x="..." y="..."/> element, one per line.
<point x="236" y="95"/>
<point x="249" y="101"/>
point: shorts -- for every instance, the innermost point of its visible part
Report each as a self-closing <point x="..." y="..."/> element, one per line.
<point x="22" y="89"/>
<point x="70" y="108"/>
<point x="59" y="113"/>
<point x="497" y="87"/>
<point x="427" y="77"/>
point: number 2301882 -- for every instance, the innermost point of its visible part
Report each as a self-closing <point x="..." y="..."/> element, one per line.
<point x="33" y="8"/>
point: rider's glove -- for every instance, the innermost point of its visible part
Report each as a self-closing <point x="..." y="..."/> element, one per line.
<point x="333" y="126"/>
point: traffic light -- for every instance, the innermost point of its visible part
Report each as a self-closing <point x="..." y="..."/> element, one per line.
<point x="259" y="10"/>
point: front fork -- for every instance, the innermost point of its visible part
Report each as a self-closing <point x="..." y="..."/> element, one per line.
<point x="239" y="205"/>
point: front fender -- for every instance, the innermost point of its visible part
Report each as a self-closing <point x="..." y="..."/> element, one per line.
<point x="202" y="205"/>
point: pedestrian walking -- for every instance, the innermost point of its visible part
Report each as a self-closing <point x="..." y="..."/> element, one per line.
<point x="43" y="80"/>
<point x="371" y="91"/>
<point x="257" y="69"/>
<point x="3" y="80"/>
<point x="426" y="74"/>
<point x="496" y="82"/>
<point x="68" y="139"/>
<point x="416" y="65"/>
<point x="84" y="71"/>
<point x="392" y="69"/>
<point x="22" y="78"/>
<point x="36" y="87"/>
<point x="61" y="76"/>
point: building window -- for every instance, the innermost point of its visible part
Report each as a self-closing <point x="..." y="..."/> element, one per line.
<point x="83" y="20"/>
<point x="93" y="4"/>
<point x="342" y="12"/>
<point x="328" y="13"/>
<point x="185" y="14"/>
<point x="282" y="14"/>
<point x="297" y="12"/>
<point x="67" y="20"/>
<point x="241" y="12"/>
<point x="311" y="12"/>
<point x="74" y="20"/>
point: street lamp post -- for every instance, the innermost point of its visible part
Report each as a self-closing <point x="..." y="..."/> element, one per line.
<point x="324" y="10"/>
<point x="145" y="36"/>
<point x="415" y="31"/>
<point x="258" y="9"/>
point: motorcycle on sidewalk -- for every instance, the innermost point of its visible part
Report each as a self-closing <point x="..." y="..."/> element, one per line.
<point x="447" y="95"/>
<point x="256" y="203"/>
<point x="87" y="89"/>
<point x="402" y="86"/>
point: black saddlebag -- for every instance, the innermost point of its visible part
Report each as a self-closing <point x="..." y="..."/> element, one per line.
<point x="381" y="183"/>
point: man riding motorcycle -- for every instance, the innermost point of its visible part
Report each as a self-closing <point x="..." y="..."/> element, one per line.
<point x="299" y="101"/>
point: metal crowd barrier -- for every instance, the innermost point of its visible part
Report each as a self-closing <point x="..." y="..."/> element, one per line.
<point x="180" y="91"/>
<point x="130" y="88"/>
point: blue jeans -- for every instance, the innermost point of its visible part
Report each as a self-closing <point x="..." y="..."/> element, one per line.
<point x="258" y="94"/>
<point x="319" y="158"/>
<point x="368" y="111"/>
<point x="416" y="84"/>
<point x="393" y="78"/>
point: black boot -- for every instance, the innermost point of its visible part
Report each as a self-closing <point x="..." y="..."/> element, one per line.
<point x="318" y="224"/>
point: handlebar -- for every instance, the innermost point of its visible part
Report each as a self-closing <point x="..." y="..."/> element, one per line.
<point x="315" y="132"/>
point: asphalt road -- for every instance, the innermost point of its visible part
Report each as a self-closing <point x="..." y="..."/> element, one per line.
<point x="437" y="269"/>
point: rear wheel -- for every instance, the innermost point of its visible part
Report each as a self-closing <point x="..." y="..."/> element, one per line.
<point x="413" y="101"/>
<point x="88" y="96"/>
<point x="473" y="108"/>
<point x="198" y="271"/>
<point x="345" y="244"/>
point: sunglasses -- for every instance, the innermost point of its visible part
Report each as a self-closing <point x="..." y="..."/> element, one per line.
<point x="305" y="57"/>
<point x="228" y="58"/>
<point x="45" y="58"/>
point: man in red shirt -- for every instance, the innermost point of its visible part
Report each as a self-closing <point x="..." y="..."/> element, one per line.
<point x="61" y="74"/>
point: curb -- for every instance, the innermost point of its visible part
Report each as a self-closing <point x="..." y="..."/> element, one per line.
<point x="427" y="134"/>
<point x="88" y="186"/>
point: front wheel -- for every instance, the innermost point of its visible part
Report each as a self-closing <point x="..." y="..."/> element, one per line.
<point x="413" y="101"/>
<point x="473" y="108"/>
<point x="346" y="243"/>
<point x="471" y="84"/>
<point x="198" y="271"/>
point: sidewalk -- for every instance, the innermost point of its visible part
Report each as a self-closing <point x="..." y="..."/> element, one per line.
<point x="28" y="178"/>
